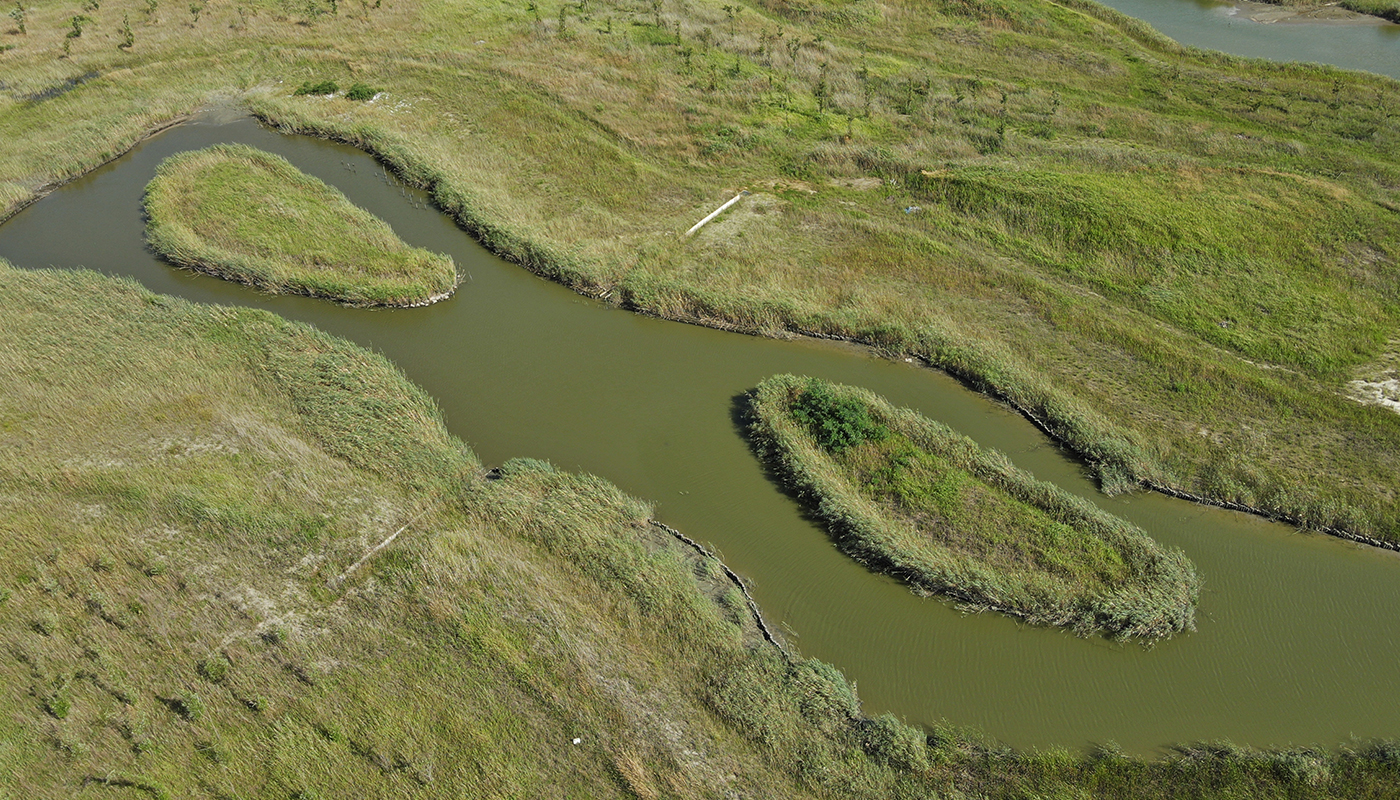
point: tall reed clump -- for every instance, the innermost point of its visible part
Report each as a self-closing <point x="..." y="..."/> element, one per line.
<point x="1385" y="9"/>
<point x="242" y="214"/>
<point x="912" y="498"/>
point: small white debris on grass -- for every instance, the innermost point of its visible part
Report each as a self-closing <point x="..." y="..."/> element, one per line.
<point x="578" y="741"/>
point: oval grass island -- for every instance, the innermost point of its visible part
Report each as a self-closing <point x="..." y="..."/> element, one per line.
<point x="910" y="497"/>
<point x="245" y="215"/>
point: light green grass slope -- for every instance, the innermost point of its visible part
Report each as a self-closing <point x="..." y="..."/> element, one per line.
<point x="250" y="216"/>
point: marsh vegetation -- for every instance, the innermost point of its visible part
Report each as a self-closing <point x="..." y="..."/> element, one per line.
<point x="1239" y="269"/>
<point x="909" y="496"/>
<point x="1385" y="9"/>
<point x="250" y="216"/>
<point x="188" y="487"/>
<point x="1174" y="260"/>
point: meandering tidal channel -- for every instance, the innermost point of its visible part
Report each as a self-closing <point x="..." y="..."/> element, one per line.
<point x="1298" y="640"/>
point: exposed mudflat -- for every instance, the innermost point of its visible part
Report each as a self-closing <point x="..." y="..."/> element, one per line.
<point x="1381" y="393"/>
<point x="1329" y="13"/>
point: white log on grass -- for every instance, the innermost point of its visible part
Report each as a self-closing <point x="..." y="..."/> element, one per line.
<point x="716" y="212"/>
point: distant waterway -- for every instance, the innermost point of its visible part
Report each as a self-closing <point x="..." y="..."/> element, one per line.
<point x="1298" y="640"/>
<point x="1259" y="30"/>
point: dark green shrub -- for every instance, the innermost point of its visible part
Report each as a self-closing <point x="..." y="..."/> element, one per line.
<point x="836" y="422"/>
<point x="360" y="91"/>
<point x="214" y="668"/>
<point x="188" y="705"/>
<point x="57" y="705"/>
<point x="318" y="88"/>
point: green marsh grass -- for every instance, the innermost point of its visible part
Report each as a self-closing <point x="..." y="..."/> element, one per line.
<point x="582" y="157"/>
<point x="1223" y="378"/>
<point x="1385" y="9"/>
<point x="194" y="445"/>
<point x="910" y="497"/>
<point x="250" y="216"/>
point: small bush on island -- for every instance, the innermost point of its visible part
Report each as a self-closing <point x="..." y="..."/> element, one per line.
<point x="317" y="88"/>
<point x="249" y="216"/>
<point x="361" y="92"/>
<point x="911" y="497"/>
<point x="835" y="422"/>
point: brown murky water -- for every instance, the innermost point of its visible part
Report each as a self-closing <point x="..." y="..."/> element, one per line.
<point x="1298" y="640"/>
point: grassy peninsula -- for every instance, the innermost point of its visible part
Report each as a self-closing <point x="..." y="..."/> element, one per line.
<point x="909" y="496"/>
<point x="246" y="215"/>
<point x="243" y="558"/>
<point x="1385" y="9"/>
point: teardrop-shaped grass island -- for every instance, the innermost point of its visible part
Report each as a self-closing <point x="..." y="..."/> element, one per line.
<point x="910" y="497"/>
<point x="250" y="216"/>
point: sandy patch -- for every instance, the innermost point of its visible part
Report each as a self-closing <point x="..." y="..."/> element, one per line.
<point x="863" y="184"/>
<point x="788" y="185"/>
<point x="1381" y="393"/>
<point x="1329" y="13"/>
